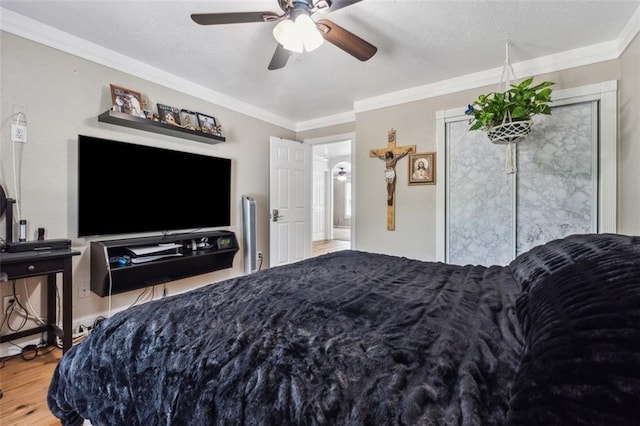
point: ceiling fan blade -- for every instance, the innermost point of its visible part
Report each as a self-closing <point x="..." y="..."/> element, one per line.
<point x="280" y="58"/>
<point x="339" y="4"/>
<point x="233" y="18"/>
<point x="345" y="40"/>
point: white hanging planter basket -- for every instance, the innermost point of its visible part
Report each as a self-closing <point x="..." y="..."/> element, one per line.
<point x="509" y="132"/>
<point x="512" y="106"/>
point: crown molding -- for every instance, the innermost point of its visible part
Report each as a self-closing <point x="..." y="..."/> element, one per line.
<point x="565" y="60"/>
<point x="330" y="120"/>
<point x="629" y="32"/>
<point x="546" y="64"/>
<point x="38" y="32"/>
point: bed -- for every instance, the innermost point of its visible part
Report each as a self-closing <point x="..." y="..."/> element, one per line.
<point x="358" y="338"/>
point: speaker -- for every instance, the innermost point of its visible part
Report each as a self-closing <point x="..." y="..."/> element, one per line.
<point x="9" y="219"/>
<point x="42" y="245"/>
<point x="249" y="232"/>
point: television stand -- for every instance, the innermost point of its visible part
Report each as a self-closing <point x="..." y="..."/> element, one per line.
<point x="113" y="272"/>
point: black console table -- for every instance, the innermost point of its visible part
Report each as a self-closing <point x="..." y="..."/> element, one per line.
<point x="44" y="263"/>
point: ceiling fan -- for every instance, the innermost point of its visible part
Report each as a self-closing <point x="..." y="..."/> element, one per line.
<point x="296" y="31"/>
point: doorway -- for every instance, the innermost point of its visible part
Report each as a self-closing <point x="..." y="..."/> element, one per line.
<point x="332" y="196"/>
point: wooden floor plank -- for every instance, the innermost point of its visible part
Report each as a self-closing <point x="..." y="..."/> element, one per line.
<point x="24" y="386"/>
<point x="328" y="246"/>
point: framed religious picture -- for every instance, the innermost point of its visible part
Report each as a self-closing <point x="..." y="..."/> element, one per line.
<point x="422" y="168"/>
<point x="126" y="100"/>
<point x="169" y="114"/>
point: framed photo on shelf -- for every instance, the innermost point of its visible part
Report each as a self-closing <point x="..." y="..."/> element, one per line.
<point x="422" y="168"/>
<point x="207" y="124"/>
<point x="189" y="119"/>
<point x="126" y="100"/>
<point x="169" y="114"/>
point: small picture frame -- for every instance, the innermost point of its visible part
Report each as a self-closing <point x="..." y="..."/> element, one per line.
<point x="169" y="115"/>
<point x="126" y="100"/>
<point x="422" y="168"/>
<point x="207" y="124"/>
<point x="189" y="120"/>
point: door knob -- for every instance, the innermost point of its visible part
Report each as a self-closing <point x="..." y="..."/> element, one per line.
<point x="276" y="215"/>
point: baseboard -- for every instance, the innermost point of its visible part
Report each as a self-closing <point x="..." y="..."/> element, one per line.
<point x="14" y="347"/>
<point x="10" y="348"/>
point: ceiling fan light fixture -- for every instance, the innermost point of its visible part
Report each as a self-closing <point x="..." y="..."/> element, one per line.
<point x="299" y="34"/>
<point x="342" y="175"/>
<point x="307" y="35"/>
<point x="308" y="32"/>
<point x="285" y="33"/>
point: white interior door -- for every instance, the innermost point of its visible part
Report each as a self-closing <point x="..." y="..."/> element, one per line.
<point x="289" y="201"/>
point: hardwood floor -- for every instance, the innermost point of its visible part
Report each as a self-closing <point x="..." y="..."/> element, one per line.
<point x="328" y="246"/>
<point x="24" y="384"/>
<point x="24" y="387"/>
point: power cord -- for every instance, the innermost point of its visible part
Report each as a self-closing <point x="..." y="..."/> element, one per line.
<point x="261" y="258"/>
<point x="11" y="310"/>
<point x="7" y="314"/>
<point x="30" y="352"/>
<point x="17" y="308"/>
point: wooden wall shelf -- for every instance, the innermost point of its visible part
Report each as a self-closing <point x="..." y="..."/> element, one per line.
<point x="139" y="123"/>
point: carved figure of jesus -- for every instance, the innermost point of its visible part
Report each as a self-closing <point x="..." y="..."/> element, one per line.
<point x="390" y="161"/>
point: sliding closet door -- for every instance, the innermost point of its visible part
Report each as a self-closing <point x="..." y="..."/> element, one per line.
<point x="557" y="177"/>
<point x="492" y="216"/>
<point x="479" y="199"/>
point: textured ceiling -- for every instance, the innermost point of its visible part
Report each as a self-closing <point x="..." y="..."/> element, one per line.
<point x="419" y="43"/>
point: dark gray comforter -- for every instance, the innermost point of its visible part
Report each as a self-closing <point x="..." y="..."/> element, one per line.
<point x="349" y="338"/>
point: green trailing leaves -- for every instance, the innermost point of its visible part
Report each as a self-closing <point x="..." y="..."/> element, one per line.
<point x="521" y="102"/>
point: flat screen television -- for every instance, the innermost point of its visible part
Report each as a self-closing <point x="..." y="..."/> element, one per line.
<point x="125" y="188"/>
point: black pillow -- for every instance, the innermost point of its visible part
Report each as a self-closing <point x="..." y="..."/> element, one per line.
<point x="581" y="330"/>
<point x="541" y="261"/>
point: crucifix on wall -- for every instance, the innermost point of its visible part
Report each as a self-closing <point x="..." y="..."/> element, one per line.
<point x="391" y="154"/>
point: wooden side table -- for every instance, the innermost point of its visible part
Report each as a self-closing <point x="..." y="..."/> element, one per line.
<point x="44" y="263"/>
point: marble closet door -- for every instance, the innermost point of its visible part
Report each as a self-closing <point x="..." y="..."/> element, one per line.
<point x="479" y="199"/>
<point x="556" y="179"/>
<point x="493" y="216"/>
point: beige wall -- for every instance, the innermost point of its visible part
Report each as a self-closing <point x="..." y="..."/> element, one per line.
<point x="415" y="123"/>
<point x="63" y="96"/>
<point x="629" y="141"/>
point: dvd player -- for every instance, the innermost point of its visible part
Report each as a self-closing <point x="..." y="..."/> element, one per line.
<point x="39" y="245"/>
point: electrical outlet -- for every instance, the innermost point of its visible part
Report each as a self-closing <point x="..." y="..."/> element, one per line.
<point x="19" y="133"/>
<point x="75" y="329"/>
<point x="84" y="289"/>
<point x="259" y="255"/>
<point x="8" y="301"/>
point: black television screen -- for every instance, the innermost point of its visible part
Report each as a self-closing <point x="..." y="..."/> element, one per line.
<point x="126" y="188"/>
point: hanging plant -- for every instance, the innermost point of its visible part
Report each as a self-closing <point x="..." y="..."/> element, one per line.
<point x="506" y="113"/>
<point x="497" y="112"/>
